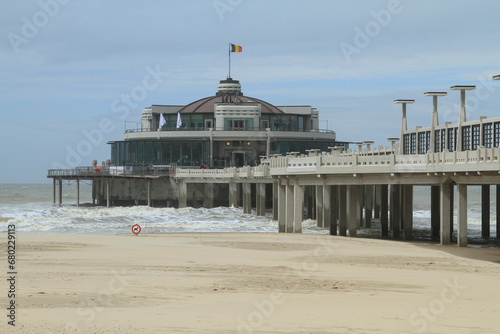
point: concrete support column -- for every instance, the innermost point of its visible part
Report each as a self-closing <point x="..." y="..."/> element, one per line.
<point x="435" y="212"/>
<point x="281" y="208"/>
<point x="77" y="192"/>
<point x="368" y="206"/>
<point x="485" y="211"/>
<point x="342" y="210"/>
<point x="361" y="197"/>
<point x="445" y="191"/>
<point x="182" y="189"/>
<point x="261" y="199"/>
<point x="395" y="217"/>
<point x="452" y="208"/>
<point x="233" y="194"/>
<point x="378" y="196"/>
<point x="54" y="189"/>
<point x="289" y="209"/>
<point x="462" y="215"/>
<point x="334" y="204"/>
<point x="60" y="191"/>
<point x="498" y="210"/>
<point x="275" y="200"/>
<point x="149" y="192"/>
<point x="108" y="191"/>
<point x="208" y="195"/>
<point x="298" y="208"/>
<point x="94" y="190"/>
<point x="353" y="212"/>
<point x="384" y="210"/>
<point x="407" y="211"/>
<point x="327" y="206"/>
<point x="319" y="206"/>
<point x="247" y="198"/>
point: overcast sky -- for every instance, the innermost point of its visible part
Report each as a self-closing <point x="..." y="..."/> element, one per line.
<point x="73" y="71"/>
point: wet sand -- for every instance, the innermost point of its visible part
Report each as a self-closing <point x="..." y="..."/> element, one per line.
<point x="250" y="283"/>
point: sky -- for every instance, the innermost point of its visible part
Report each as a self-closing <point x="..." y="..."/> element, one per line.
<point x="74" y="73"/>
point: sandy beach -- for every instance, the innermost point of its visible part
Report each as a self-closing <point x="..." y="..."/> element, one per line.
<point x="250" y="283"/>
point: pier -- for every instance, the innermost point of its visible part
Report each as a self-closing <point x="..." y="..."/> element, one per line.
<point x="342" y="189"/>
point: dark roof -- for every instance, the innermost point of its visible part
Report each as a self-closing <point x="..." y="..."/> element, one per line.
<point x="206" y="105"/>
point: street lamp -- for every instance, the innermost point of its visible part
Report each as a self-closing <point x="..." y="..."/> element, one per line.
<point x="404" y="125"/>
<point x="462" y="117"/>
<point x="435" y="119"/>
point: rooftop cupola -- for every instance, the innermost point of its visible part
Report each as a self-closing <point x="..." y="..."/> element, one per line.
<point x="228" y="88"/>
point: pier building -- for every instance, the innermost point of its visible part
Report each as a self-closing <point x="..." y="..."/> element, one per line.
<point x="341" y="188"/>
<point x="227" y="129"/>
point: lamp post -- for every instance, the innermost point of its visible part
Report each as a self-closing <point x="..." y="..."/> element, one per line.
<point x="462" y="117"/>
<point x="404" y="125"/>
<point x="435" y="119"/>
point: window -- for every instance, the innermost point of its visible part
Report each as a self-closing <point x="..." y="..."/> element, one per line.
<point x="476" y="132"/>
<point x="238" y="124"/>
<point x="437" y="141"/>
<point x="451" y="139"/>
<point x="421" y="142"/>
<point x="209" y="123"/>
<point x="496" y="134"/>
<point x="413" y="140"/>
<point x="443" y="140"/>
<point x="406" y="144"/>
<point x="264" y="124"/>
<point x="487" y="135"/>
<point x="465" y="138"/>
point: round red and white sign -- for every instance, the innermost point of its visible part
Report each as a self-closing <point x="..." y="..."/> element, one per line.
<point x="136" y="229"/>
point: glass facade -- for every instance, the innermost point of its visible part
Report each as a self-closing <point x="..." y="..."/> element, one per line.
<point x="487" y="135"/>
<point x="466" y="138"/>
<point x="146" y="153"/>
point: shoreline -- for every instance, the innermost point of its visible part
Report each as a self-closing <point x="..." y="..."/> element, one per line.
<point x="226" y="282"/>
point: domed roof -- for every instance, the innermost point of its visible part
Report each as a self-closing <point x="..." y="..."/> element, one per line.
<point x="206" y="105"/>
<point x="228" y="90"/>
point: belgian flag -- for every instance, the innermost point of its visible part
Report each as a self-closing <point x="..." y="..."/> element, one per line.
<point x="236" y="48"/>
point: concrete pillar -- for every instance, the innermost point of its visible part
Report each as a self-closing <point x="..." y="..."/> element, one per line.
<point x="361" y="195"/>
<point x="352" y="213"/>
<point x="342" y="210"/>
<point x="182" y="189"/>
<point x="289" y="209"/>
<point x="319" y="206"/>
<point x="334" y="205"/>
<point x="60" y="192"/>
<point x="327" y="206"/>
<point x="395" y="217"/>
<point x="94" y="190"/>
<point x="407" y="211"/>
<point x="275" y="200"/>
<point x="208" y="195"/>
<point x="452" y="208"/>
<point x="378" y="196"/>
<point x="281" y="208"/>
<point x="435" y="212"/>
<point x="384" y="210"/>
<point x="54" y="189"/>
<point x="108" y="191"/>
<point x="233" y="194"/>
<point x="149" y="192"/>
<point x="298" y="208"/>
<point x="445" y="191"/>
<point x="462" y="215"/>
<point x="247" y="198"/>
<point x="77" y="192"/>
<point x="260" y="199"/>
<point x="485" y="211"/>
<point x="498" y="210"/>
<point x="368" y="206"/>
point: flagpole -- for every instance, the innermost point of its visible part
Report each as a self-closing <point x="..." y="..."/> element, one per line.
<point x="229" y="60"/>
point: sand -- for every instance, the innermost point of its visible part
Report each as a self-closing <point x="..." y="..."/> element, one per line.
<point x="249" y="283"/>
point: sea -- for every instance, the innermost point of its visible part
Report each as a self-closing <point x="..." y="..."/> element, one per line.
<point x="30" y="207"/>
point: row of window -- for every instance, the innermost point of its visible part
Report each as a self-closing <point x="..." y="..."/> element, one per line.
<point x="203" y="121"/>
<point x="447" y="138"/>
